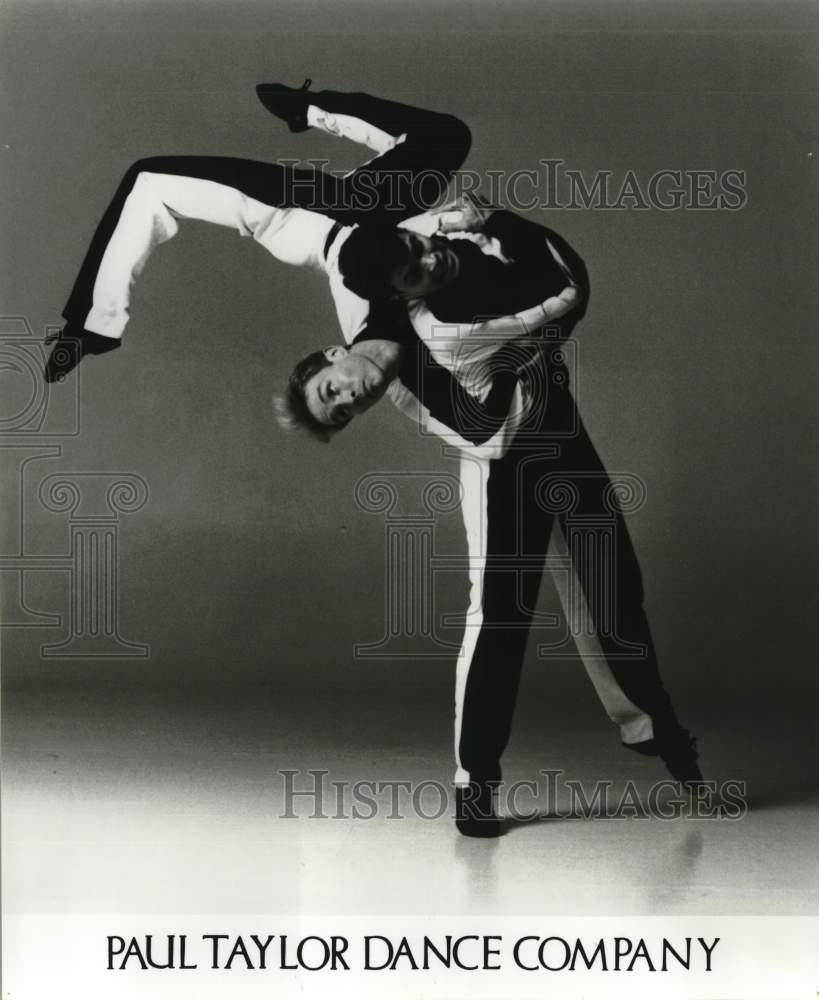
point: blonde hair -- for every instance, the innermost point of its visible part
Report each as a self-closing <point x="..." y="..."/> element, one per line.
<point x="290" y="407"/>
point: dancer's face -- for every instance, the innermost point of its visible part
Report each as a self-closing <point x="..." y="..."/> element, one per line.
<point x="430" y="264"/>
<point x="349" y="385"/>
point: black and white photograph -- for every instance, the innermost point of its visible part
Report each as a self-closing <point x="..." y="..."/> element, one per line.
<point x="409" y="524"/>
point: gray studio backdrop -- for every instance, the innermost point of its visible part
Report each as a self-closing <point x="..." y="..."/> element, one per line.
<point x="251" y="565"/>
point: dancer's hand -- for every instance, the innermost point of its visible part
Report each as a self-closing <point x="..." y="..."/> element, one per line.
<point x="467" y="214"/>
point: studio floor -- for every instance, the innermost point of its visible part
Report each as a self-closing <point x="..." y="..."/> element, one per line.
<point x="139" y="801"/>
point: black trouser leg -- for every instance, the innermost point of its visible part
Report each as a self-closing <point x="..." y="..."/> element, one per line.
<point x="609" y="574"/>
<point x="407" y="179"/>
<point x="517" y="535"/>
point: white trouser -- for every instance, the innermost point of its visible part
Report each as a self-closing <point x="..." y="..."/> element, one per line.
<point x="149" y="218"/>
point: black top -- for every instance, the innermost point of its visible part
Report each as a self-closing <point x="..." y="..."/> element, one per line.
<point x="485" y="288"/>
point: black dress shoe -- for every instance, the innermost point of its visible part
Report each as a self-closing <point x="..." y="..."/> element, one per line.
<point x="475" y="814"/>
<point x="70" y="347"/>
<point x="681" y="760"/>
<point x="288" y="103"/>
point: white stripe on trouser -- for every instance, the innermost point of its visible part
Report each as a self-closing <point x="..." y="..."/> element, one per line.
<point x="354" y="129"/>
<point x="148" y="219"/>
<point x="635" y="724"/>
<point x="474" y="474"/>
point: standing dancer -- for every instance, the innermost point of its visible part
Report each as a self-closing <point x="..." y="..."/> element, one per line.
<point x="517" y="462"/>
